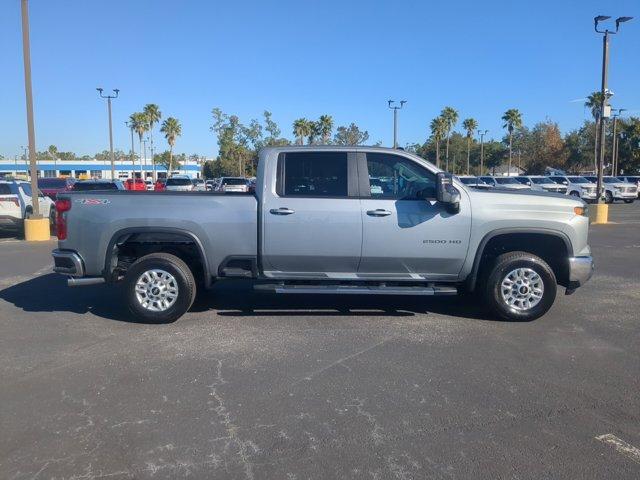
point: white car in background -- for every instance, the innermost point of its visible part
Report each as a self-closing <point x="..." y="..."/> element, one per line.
<point x="149" y="184"/>
<point x="542" y="183"/>
<point x="179" y="183"/>
<point x="16" y="204"/>
<point x="234" y="184"/>
<point x="474" y="182"/>
<point x="509" y="183"/>
<point x="616" y="189"/>
<point x="577" y="186"/>
<point x="198" y="185"/>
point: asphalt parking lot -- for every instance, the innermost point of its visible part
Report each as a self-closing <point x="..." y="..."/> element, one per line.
<point x="255" y="386"/>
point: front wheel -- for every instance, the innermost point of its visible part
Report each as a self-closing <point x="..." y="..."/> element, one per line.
<point x="520" y="287"/>
<point x="608" y="197"/>
<point x="159" y="288"/>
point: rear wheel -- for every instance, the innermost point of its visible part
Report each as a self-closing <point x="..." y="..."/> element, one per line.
<point x="159" y="288"/>
<point x="629" y="200"/>
<point x="520" y="287"/>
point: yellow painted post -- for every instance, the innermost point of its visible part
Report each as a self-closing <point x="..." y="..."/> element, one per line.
<point x="599" y="213"/>
<point x="36" y="229"/>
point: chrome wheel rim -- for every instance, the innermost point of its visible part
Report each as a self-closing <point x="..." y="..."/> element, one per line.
<point x="522" y="289"/>
<point x="156" y="290"/>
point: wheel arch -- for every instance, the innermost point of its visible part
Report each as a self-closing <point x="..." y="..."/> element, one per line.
<point x="122" y="235"/>
<point x="509" y="236"/>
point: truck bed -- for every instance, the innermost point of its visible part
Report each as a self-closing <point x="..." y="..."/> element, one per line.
<point x="221" y="224"/>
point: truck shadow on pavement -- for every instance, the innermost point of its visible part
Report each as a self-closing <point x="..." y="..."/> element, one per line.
<point x="232" y="299"/>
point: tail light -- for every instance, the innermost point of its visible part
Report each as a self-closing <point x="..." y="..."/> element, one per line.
<point x="62" y="206"/>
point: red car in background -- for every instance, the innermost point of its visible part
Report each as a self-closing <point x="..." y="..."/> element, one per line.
<point x="135" y="184"/>
<point x="160" y="185"/>
<point x="51" y="186"/>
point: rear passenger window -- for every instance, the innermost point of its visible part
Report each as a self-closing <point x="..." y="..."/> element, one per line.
<point x="313" y="174"/>
<point x="4" y="189"/>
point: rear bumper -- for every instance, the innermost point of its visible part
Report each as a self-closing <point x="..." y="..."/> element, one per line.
<point x="67" y="262"/>
<point x="9" y="221"/>
<point x="580" y="271"/>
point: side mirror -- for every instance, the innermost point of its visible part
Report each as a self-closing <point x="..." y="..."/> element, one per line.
<point x="446" y="193"/>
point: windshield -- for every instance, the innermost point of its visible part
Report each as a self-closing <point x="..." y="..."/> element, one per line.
<point x="507" y="181"/>
<point x="541" y="180"/>
<point x="52" y="182"/>
<point x="557" y="179"/>
<point x="178" y="182"/>
<point x="234" y="181"/>
<point x="197" y="181"/>
<point x="578" y="180"/>
<point x="473" y="181"/>
<point x="87" y="186"/>
<point x="610" y="180"/>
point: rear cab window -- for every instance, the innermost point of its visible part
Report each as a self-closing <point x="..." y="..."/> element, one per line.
<point x="313" y="174"/>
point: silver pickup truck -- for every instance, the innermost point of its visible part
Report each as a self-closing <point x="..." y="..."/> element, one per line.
<point x="330" y="220"/>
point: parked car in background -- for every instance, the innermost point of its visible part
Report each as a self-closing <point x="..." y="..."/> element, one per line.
<point x="211" y="185"/>
<point x="542" y="183"/>
<point x="577" y="186"/>
<point x="509" y="183"/>
<point x="179" y="183"/>
<point x="234" y="184"/>
<point x="616" y="189"/>
<point x="51" y="186"/>
<point x="632" y="179"/>
<point x="16" y="204"/>
<point x="474" y="182"/>
<point x="135" y="184"/>
<point x="160" y="184"/>
<point x="91" y="185"/>
<point x="149" y="184"/>
<point x="198" y="185"/>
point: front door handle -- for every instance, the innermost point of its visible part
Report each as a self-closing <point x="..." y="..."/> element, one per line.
<point x="378" y="212"/>
<point x="281" y="211"/>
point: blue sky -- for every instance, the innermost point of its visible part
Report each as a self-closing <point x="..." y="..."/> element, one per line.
<point x="304" y="58"/>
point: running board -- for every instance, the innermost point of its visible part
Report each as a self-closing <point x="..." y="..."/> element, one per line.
<point x="357" y="289"/>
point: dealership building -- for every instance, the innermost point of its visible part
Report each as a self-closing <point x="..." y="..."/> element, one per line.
<point x="98" y="169"/>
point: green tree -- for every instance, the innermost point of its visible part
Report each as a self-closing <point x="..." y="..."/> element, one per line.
<point x="470" y="125"/>
<point x="512" y="119"/>
<point x="438" y="128"/>
<point x="169" y="160"/>
<point x="594" y="104"/>
<point x="351" y="135"/>
<point x="547" y="148"/>
<point x="450" y="116"/>
<point x="208" y="169"/>
<point x="172" y="130"/>
<point x="139" y="123"/>
<point x="53" y="153"/>
<point x="325" y="127"/>
<point x="301" y="130"/>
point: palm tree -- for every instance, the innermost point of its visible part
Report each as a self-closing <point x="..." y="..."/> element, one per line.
<point x="140" y="124"/>
<point x="470" y="125"/>
<point x="450" y="116"/>
<point x="594" y="103"/>
<point x="53" y="153"/>
<point x="438" y="130"/>
<point x="172" y="129"/>
<point x="512" y="119"/>
<point x="301" y="129"/>
<point x="325" y="126"/>
<point x="153" y="113"/>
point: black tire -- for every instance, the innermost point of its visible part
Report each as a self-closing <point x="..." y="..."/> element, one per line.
<point x="186" y="287"/>
<point x="608" y="197"/>
<point x="509" y="262"/>
<point x="575" y="194"/>
<point x="628" y="201"/>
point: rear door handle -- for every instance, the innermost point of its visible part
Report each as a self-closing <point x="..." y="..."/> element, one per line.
<point x="378" y="212"/>
<point x="281" y="211"/>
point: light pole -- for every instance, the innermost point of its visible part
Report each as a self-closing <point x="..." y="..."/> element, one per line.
<point x="614" y="145"/>
<point x="109" y="97"/>
<point x="482" y="134"/>
<point x="604" y="90"/>
<point x="395" y="109"/>
<point x="26" y="55"/>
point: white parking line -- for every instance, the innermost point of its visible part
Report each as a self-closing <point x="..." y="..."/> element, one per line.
<point x="621" y="446"/>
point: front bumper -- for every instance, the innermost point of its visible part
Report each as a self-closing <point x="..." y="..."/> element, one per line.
<point x="580" y="271"/>
<point x="67" y="262"/>
<point x="625" y="195"/>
